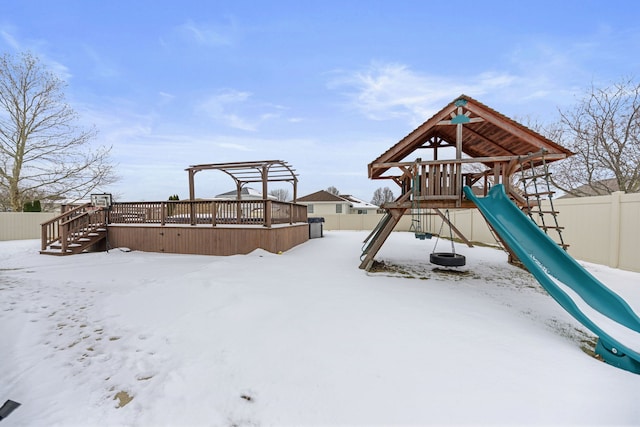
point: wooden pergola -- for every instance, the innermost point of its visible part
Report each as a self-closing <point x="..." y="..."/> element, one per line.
<point x="262" y="171"/>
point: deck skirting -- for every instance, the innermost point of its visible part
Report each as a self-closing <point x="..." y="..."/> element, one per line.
<point x="199" y="240"/>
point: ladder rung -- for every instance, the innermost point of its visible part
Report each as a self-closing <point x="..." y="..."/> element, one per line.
<point x="539" y="193"/>
<point x="541" y="175"/>
<point x="552" y="227"/>
<point x="532" y="204"/>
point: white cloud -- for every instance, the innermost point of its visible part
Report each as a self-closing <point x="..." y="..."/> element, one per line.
<point x="165" y="98"/>
<point x="206" y="35"/>
<point x="102" y="66"/>
<point x="238" y="110"/>
<point x="237" y="122"/>
<point x="231" y="146"/>
<point x="385" y="91"/>
<point x="151" y="154"/>
<point x="9" y="37"/>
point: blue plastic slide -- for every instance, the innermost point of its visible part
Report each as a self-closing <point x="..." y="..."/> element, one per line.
<point x="575" y="289"/>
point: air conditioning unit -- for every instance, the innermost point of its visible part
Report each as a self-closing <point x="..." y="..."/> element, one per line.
<point x="101" y="200"/>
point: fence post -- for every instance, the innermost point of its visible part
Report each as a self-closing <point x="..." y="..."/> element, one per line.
<point x="614" y="229"/>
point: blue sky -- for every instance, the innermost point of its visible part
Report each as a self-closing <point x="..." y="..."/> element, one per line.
<point x="324" y="85"/>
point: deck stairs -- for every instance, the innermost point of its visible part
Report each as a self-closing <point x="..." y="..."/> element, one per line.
<point x="74" y="231"/>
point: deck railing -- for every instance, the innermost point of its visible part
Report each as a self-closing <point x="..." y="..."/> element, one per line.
<point x="208" y="212"/>
<point x="71" y="226"/>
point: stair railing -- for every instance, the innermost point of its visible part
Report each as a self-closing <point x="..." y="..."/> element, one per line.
<point x="72" y="225"/>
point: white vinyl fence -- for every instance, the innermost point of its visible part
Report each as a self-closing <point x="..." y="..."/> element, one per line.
<point x="20" y="226"/>
<point x="603" y="230"/>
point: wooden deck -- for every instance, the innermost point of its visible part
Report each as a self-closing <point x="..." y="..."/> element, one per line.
<point x="207" y="240"/>
<point x="205" y="227"/>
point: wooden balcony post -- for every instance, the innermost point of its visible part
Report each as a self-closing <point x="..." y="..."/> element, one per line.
<point x="457" y="171"/>
<point x="291" y="207"/>
<point x="267" y="213"/>
<point x="44" y="236"/>
<point x="64" y="234"/>
<point x="214" y="213"/>
<point x="192" y="212"/>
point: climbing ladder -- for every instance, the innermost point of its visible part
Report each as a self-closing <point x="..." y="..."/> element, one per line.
<point x="381" y="232"/>
<point x="375" y="233"/>
<point x="379" y="235"/>
<point x="536" y="190"/>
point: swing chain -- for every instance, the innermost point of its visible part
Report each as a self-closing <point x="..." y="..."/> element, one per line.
<point x="453" y="250"/>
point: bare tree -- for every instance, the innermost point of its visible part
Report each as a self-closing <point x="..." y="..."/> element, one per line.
<point x="4" y="200"/>
<point x="382" y="196"/>
<point x="280" y="194"/>
<point x="603" y="130"/>
<point x="43" y="153"/>
<point x="333" y="190"/>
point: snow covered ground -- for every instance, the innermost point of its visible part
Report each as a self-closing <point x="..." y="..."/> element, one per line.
<point x="302" y="338"/>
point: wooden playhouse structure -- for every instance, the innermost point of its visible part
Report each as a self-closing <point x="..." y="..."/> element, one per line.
<point x="193" y="226"/>
<point x="466" y="143"/>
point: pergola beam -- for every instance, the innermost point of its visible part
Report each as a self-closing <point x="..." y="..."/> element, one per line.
<point x="242" y="173"/>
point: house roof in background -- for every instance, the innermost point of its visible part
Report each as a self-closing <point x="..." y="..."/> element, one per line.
<point x="357" y="203"/>
<point x="320" y="196"/>
<point x="602" y="188"/>
<point x="245" y="192"/>
<point x="324" y="196"/>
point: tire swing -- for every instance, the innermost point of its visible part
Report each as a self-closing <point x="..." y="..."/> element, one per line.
<point x="446" y="259"/>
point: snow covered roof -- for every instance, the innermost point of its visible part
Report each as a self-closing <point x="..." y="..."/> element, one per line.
<point x="245" y="193"/>
<point x="323" y="196"/>
<point x="357" y="203"/>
